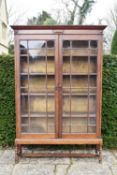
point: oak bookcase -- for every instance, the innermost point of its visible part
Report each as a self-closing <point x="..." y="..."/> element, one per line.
<point x="58" y="75"/>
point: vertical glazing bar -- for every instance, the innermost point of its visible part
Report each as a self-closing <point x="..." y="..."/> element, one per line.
<point x="88" y="85"/>
<point x="28" y="62"/>
<point x="46" y="94"/>
<point x="58" y="106"/>
<point x="59" y="72"/>
<point x="70" y="80"/>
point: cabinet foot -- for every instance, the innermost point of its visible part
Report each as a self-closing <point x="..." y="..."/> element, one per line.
<point x="18" y="153"/>
<point x="100" y="153"/>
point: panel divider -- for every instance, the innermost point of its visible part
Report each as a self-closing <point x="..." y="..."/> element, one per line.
<point x="28" y="88"/>
<point x="70" y="81"/>
<point x="46" y="94"/>
<point x="88" y="86"/>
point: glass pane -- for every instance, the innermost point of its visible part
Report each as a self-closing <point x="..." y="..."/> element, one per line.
<point x="66" y="126"/>
<point x="66" y="44"/>
<point x="23" y="44"/>
<point x="92" y="105"/>
<point x="37" y="64"/>
<point x="24" y="121"/>
<point x="24" y="52"/>
<point x="50" y="64"/>
<point x="25" y="129"/>
<point x="36" y="53"/>
<point x="79" y="104"/>
<point x="24" y="105"/>
<point x="79" y="44"/>
<point x="92" y="81"/>
<point x="24" y="81"/>
<point x="51" y="114"/>
<point x="93" y="43"/>
<point x="79" y="125"/>
<point x="92" y="129"/>
<point x="79" y="64"/>
<point x="36" y="44"/>
<point x="92" y="90"/>
<point x="93" y="65"/>
<point x="37" y="83"/>
<point x="38" y="125"/>
<point x="92" y="121"/>
<point x="50" y="81"/>
<point x="51" y="125"/>
<point x="51" y="104"/>
<point x="23" y="47"/>
<point x="66" y="113"/>
<point x="50" y="44"/>
<point x="66" y="64"/>
<point x="23" y="64"/>
<point x="38" y="105"/>
<point x="66" y="81"/>
<point x="66" y="105"/>
<point x="80" y="81"/>
<point x="50" y="52"/>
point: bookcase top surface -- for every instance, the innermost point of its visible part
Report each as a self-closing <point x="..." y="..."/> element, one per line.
<point x="58" y="27"/>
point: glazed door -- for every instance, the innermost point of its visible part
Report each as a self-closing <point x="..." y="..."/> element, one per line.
<point x="79" y="85"/>
<point x="37" y="80"/>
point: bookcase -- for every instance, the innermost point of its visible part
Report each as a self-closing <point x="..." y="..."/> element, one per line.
<point x="58" y="77"/>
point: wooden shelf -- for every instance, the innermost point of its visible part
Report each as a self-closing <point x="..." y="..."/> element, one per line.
<point x="24" y="124"/>
<point x="24" y="87"/>
<point x="79" y="73"/>
<point x="78" y="125"/>
<point x="37" y="94"/>
<point x="39" y="115"/>
<point x="23" y="55"/>
<point x="80" y="51"/>
<point x="37" y="73"/>
<point x="79" y="94"/>
<point x="39" y="52"/>
<point x="75" y="88"/>
<point x="80" y="115"/>
<point x="52" y="94"/>
<point x="80" y="87"/>
<point x="64" y="74"/>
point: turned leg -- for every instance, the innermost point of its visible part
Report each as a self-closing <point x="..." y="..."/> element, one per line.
<point x="18" y="152"/>
<point x="97" y="149"/>
<point x="100" y="153"/>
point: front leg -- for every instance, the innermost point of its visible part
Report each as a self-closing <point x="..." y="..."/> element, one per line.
<point x="18" y="152"/>
<point x="100" y="153"/>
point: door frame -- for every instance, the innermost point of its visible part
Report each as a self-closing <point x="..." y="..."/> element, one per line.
<point x="19" y="134"/>
<point x="98" y="84"/>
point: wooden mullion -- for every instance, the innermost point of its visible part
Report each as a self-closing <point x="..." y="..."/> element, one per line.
<point x="28" y="62"/>
<point x="46" y="94"/>
<point x="70" y="81"/>
<point x="88" y="87"/>
<point x="60" y="83"/>
<point x="57" y="96"/>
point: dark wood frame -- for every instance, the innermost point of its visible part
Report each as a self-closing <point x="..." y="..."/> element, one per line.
<point x="58" y="33"/>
